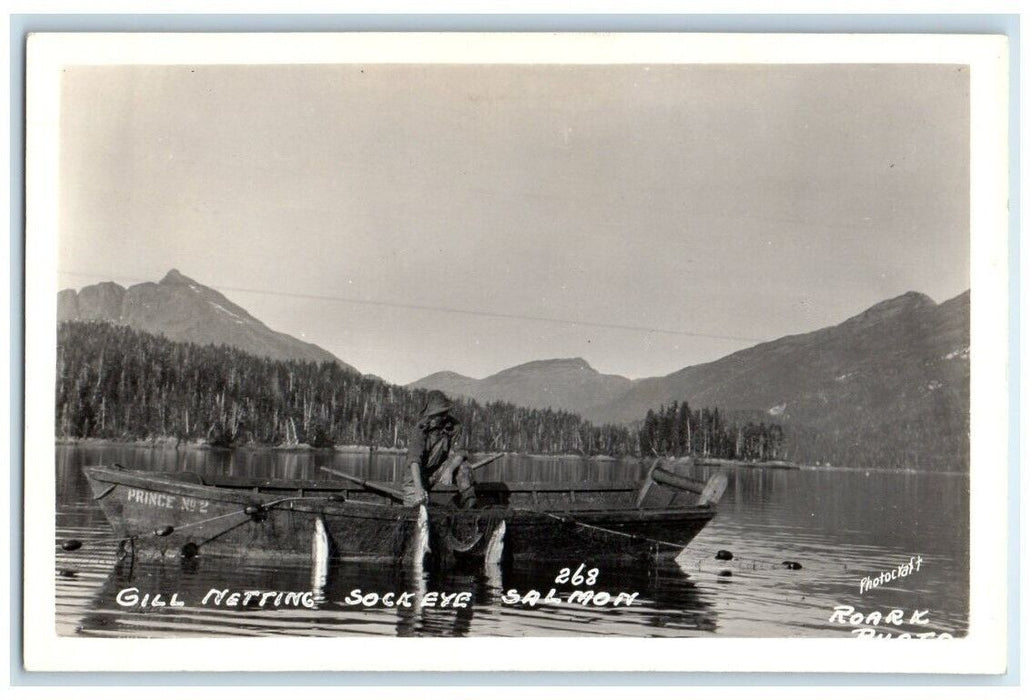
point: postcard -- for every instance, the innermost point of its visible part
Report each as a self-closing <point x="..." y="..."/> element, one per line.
<point x="467" y="352"/>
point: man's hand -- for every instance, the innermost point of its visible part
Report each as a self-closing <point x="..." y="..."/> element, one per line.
<point x="419" y="491"/>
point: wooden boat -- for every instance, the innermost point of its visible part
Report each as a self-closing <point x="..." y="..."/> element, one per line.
<point x="182" y="514"/>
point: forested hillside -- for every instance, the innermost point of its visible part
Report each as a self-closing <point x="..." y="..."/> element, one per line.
<point x="888" y="387"/>
<point x="679" y="430"/>
<point x="117" y="383"/>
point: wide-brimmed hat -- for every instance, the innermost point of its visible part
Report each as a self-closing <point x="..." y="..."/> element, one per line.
<point x="436" y="403"/>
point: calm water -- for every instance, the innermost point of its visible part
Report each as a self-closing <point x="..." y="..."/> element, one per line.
<point x="839" y="525"/>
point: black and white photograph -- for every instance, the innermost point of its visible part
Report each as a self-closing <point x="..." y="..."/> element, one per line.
<point x="479" y="336"/>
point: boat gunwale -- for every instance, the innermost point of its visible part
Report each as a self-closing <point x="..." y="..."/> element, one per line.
<point x="266" y="485"/>
<point x="249" y="484"/>
<point x="241" y="496"/>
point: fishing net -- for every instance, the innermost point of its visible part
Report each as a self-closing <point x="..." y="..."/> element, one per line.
<point x="469" y="532"/>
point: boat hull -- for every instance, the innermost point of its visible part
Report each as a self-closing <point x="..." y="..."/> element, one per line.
<point x="609" y="536"/>
<point x="216" y="521"/>
<point x="158" y="514"/>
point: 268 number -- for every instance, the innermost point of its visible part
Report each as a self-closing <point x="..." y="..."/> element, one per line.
<point x="566" y="575"/>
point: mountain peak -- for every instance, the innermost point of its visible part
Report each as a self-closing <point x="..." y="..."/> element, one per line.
<point x="908" y="299"/>
<point x="174" y="277"/>
<point x="184" y="310"/>
<point x="907" y="302"/>
<point x="443" y="375"/>
<point x="561" y="383"/>
<point x="560" y="363"/>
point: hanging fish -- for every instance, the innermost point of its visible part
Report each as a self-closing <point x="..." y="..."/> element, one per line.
<point x="421" y="545"/>
<point x="492" y="557"/>
<point x="495" y="547"/>
<point x="319" y="558"/>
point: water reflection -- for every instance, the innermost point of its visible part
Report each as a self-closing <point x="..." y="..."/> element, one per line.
<point x="306" y="464"/>
<point x="840" y="525"/>
<point x="198" y="596"/>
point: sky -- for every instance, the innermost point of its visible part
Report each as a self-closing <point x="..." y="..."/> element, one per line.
<point x="418" y="218"/>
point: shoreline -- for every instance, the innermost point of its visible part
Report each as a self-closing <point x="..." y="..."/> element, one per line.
<point x="709" y="462"/>
<point x="720" y="462"/>
<point x="176" y="444"/>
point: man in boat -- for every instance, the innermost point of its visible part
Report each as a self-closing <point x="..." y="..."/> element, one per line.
<point x="432" y="458"/>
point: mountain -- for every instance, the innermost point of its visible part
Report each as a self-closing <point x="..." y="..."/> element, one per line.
<point x="890" y="385"/>
<point x="568" y="384"/>
<point x="181" y="309"/>
<point x="905" y="339"/>
<point x="887" y="387"/>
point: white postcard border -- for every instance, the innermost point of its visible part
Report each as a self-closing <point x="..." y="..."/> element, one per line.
<point x="982" y="651"/>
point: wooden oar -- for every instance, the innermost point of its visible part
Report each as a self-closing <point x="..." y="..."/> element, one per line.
<point x="485" y="461"/>
<point x="442" y="473"/>
<point x="369" y="485"/>
<point x="397" y="493"/>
